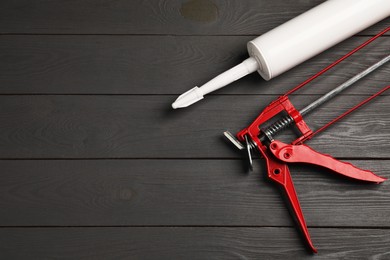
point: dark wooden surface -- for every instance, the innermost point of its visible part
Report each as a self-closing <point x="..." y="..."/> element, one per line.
<point x="96" y="165"/>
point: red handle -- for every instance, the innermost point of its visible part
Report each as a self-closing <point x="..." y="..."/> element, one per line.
<point x="304" y="154"/>
<point x="278" y="172"/>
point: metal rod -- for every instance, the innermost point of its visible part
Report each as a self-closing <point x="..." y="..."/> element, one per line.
<point x="287" y="120"/>
<point x="343" y="86"/>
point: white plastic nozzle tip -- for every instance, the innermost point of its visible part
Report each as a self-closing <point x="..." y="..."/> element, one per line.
<point x="188" y="98"/>
<point x="174" y="105"/>
<point x="194" y="95"/>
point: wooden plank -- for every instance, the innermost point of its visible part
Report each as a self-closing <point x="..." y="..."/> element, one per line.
<point x="191" y="243"/>
<point x="162" y="65"/>
<point x="180" y="17"/>
<point x="182" y="192"/>
<point x="147" y="127"/>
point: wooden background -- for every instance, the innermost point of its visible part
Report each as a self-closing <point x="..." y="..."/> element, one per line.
<point x="95" y="164"/>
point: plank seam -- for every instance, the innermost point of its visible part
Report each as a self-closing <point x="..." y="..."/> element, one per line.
<point x="171" y="158"/>
<point x="155" y="34"/>
<point x="174" y="94"/>
<point x="198" y="226"/>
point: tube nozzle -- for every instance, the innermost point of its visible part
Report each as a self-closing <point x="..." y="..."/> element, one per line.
<point x="194" y="95"/>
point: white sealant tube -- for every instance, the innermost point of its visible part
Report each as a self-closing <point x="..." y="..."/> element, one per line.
<point x="296" y="41"/>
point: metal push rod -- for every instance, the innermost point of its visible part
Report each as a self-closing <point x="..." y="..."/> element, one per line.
<point x="288" y="120"/>
<point x="343" y="86"/>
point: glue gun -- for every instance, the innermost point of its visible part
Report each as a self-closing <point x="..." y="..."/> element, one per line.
<point x="260" y="137"/>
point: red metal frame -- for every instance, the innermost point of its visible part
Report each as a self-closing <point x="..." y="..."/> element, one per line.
<point x="277" y="154"/>
<point x="279" y="105"/>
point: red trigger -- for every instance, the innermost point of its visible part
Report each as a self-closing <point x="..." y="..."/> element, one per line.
<point x="304" y="154"/>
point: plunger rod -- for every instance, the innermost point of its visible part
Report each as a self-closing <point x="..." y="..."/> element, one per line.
<point x="287" y="120"/>
<point x="343" y="86"/>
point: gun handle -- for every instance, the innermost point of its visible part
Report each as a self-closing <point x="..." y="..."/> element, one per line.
<point x="304" y="154"/>
<point x="279" y="172"/>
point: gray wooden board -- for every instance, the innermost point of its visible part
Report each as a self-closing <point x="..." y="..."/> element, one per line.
<point x="183" y="192"/>
<point x="95" y="164"/>
<point x="68" y="64"/>
<point x="151" y="17"/>
<point x="191" y="243"/>
<point x="91" y="126"/>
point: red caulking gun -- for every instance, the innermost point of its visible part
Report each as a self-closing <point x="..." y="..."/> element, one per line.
<point x="278" y="154"/>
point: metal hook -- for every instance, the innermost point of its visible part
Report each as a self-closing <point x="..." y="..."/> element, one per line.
<point x="248" y="145"/>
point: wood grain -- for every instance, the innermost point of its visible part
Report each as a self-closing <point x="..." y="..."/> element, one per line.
<point x="147" y="127"/>
<point x="149" y="17"/>
<point x="53" y="64"/>
<point x="191" y="243"/>
<point x="96" y="165"/>
<point x="183" y="192"/>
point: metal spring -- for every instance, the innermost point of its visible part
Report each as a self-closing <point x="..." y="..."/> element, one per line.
<point x="278" y="126"/>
